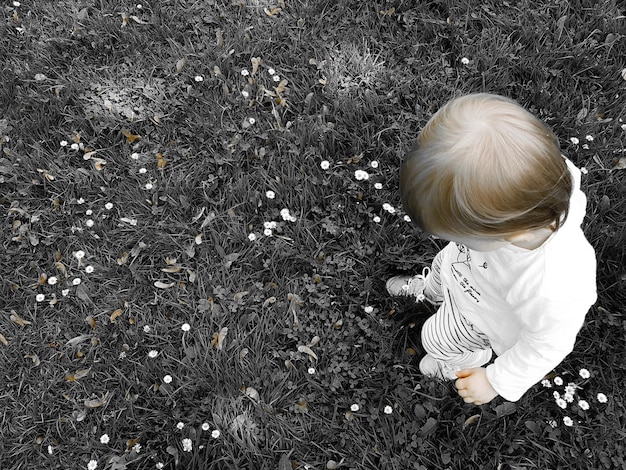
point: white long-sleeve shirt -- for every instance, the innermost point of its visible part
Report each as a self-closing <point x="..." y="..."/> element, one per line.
<point x="530" y="303"/>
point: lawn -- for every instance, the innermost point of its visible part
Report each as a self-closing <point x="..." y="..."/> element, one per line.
<point x="199" y="205"/>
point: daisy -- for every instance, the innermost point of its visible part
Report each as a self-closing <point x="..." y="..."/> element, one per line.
<point x="325" y="165"/>
<point x="354" y="407"/>
<point x="388" y="410"/>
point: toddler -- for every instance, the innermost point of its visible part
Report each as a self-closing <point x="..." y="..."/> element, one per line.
<point x="518" y="275"/>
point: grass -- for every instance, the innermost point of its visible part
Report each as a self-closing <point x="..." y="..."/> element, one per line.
<point x="288" y="331"/>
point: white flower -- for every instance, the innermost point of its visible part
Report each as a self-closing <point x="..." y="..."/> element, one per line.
<point x="584" y="373"/>
<point x="311" y="370"/>
<point x="89" y="269"/>
<point x="389" y="208"/>
<point x="251" y="237"/>
<point x="76" y="281"/>
<point x="89" y="223"/>
<point x="388" y="410"/>
<point x="584" y="170"/>
<point x="88" y="212"/>
<point x="378" y="185"/>
<point x="187" y="445"/>
<point x="589" y="138"/>
<point x="574" y="140"/>
<point x="148" y="186"/>
<point x="92" y="465"/>
<point x="569" y="397"/>
<point x="108" y="206"/>
<point x="79" y="254"/>
<point x="63" y="143"/>
<point x="80" y="200"/>
<point x="465" y="60"/>
<point x="552" y="423"/>
<point x="583" y="405"/>
<point x="407" y="218"/>
<point x="134" y="156"/>
<point x="354" y="407"/>
<point x="185" y="327"/>
<point x="40" y="297"/>
<point x="368" y="309"/>
<point x="75" y="146"/>
<point x="270" y="194"/>
<point x="624" y="127"/>
<point x="146" y="328"/>
<point x="546" y="383"/>
<point x="50" y="450"/>
<point x="160" y="465"/>
<point x="251" y="121"/>
<point x="245" y="72"/>
<point x="137" y="448"/>
<point x="153" y="353"/>
<point x="556" y="395"/>
<point x="139" y="6"/>
<point x="562" y="403"/>
<point x="206" y="426"/>
<point x="602" y="398"/>
<point x="267" y="232"/>
<point x="376" y="219"/>
<point x="216" y="433"/>
<point x="142" y="170"/>
<point x="64" y="292"/>
<point x="284" y="213"/>
<point x="325" y="165"/>
<point x="374" y="164"/>
<point x="245" y="94"/>
<point x="558" y="381"/>
<point x="276" y="78"/>
<point x="104" y="439"/>
<point x="180" y="426"/>
<point x="361" y="175"/>
<point x="167" y="379"/>
<point x="570" y="388"/>
<point x="567" y="421"/>
<point x="271" y="71"/>
<point x="198" y="78"/>
<point x="586" y="146"/>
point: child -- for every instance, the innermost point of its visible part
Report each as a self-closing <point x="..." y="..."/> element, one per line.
<point x="518" y="275"/>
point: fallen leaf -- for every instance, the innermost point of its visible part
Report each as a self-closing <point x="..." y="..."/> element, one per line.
<point x="98" y="402"/>
<point x="34" y="358"/>
<point x="252" y="394"/>
<point x="269" y="301"/>
<point x="91" y="321"/>
<point x="3" y="340"/>
<point x="273" y="12"/>
<point x="161" y="161"/>
<point x="621" y="163"/>
<point x="219" y="37"/>
<point x="130" y="137"/>
<point x="256" y="61"/>
<point x="470" y="420"/>
<point x="77" y="340"/>
<point x="314" y="341"/>
<point x="99" y="163"/>
<point x="19" y="320"/>
<point x="88" y="155"/>
<point x="79" y="374"/>
<point x="125" y="18"/>
<point x="218" y="338"/>
<point x="174" y="453"/>
<point x="307" y="350"/>
<point x="164" y="285"/>
<point x="282" y="86"/>
<point x="172" y="269"/>
<point x="116" y="314"/>
<point x="217" y="71"/>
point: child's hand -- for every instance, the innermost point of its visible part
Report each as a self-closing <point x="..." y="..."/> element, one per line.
<point x="474" y="387"/>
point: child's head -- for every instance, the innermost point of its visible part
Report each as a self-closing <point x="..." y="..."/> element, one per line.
<point x="485" y="167"/>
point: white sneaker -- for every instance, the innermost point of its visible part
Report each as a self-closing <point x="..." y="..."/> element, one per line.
<point x="431" y="367"/>
<point x="407" y="286"/>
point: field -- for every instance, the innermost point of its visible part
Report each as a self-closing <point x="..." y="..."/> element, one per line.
<point x="199" y="205"/>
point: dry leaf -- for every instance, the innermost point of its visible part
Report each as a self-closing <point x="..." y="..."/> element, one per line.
<point x="256" y="61"/>
<point x="79" y="374"/>
<point x="171" y="269"/>
<point x="269" y="301"/>
<point x="130" y="137"/>
<point x="470" y="420"/>
<point x="19" y="320"/>
<point x="116" y="314"/>
<point x="174" y="453"/>
<point x="282" y="86"/>
<point x="77" y="340"/>
<point x="219" y="36"/>
<point x="273" y="12"/>
<point x="161" y="161"/>
<point x="61" y="268"/>
<point x="217" y="71"/>
<point x="123" y="259"/>
<point x="99" y="163"/>
<point x="218" y="338"/>
<point x="198" y="239"/>
<point x="3" y="340"/>
<point x="88" y="155"/>
<point x="252" y="394"/>
<point x="91" y="321"/>
<point x="98" y="402"/>
<point x="621" y="163"/>
<point x="624" y="74"/>
<point x="307" y="350"/>
<point x="314" y="341"/>
<point x="34" y="358"/>
<point x="164" y="285"/>
<point x="125" y="18"/>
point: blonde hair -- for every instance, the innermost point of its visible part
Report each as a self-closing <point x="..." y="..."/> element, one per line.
<point x="484" y="166"/>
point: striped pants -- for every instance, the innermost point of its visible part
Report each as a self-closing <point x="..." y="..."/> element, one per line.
<point x="447" y="335"/>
